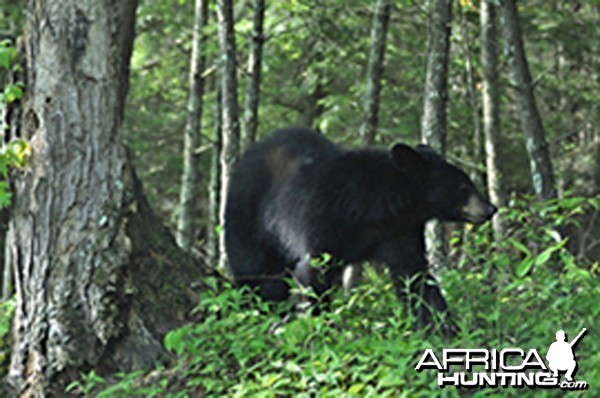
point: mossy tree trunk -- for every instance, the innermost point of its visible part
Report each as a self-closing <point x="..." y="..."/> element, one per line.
<point x="433" y="124"/>
<point x="542" y="172"/>
<point x="464" y="40"/>
<point x="99" y="280"/>
<point x="250" y="125"/>
<point x="491" y="107"/>
<point x="230" y="144"/>
<point x="191" y="158"/>
<point x="379" y="27"/>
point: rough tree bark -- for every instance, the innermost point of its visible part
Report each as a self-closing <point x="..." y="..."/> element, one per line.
<point x="433" y="123"/>
<point x="191" y="157"/>
<point x="230" y="125"/>
<point x="99" y="280"/>
<point x="491" y="107"/>
<point x="375" y="71"/>
<point x="531" y="122"/>
<point x="250" y="125"/>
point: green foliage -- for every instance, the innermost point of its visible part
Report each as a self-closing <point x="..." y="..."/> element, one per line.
<point x="13" y="91"/>
<point x="86" y="384"/>
<point x="11" y="17"/>
<point x="12" y="155"/>
<point x="314" y="68"/>
<point x="531" y="273"/>
<point x="324" y="260"/>
<point x="6" y="54"/>
<point x="15" y="153"/>
<point x="366" y="345"/>
<point x="7" y="309"/>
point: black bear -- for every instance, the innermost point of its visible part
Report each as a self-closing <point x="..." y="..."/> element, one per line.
<point x="296" y="195"/>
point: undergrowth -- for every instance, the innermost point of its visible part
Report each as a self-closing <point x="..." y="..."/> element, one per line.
<point x="516" y="291"/>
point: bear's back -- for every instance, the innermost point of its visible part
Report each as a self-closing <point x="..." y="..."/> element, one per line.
<point x="277" y="156"/>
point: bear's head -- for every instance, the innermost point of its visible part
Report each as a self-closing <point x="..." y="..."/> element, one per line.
<point x="449" y="194"/>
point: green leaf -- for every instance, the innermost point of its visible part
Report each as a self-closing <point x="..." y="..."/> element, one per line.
<point x="3" y="166"/>
<point x="5" y="199"/>
<point x="21" y="150"/>
<point x="5" y="55"/>
<point x="524" y="267"/>
<point x="521" y="247"/>
<point x="173" y="341"/>
<point x="12" y="92"/>
<point x="544" y="256"/>
<point x="356" y="388"/>
<point x="73" y="385"/>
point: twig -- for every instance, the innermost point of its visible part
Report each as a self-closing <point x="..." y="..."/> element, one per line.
<point x="463" y="162"/>
<point x="541" y="76"/>
<point x="577" y="129"/>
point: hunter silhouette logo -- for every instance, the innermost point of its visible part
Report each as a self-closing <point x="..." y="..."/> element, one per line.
<point x="508" y="367"/>
<point x="560" y="354"/>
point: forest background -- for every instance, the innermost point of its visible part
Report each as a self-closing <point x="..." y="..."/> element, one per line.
<point x="361" y="73"/>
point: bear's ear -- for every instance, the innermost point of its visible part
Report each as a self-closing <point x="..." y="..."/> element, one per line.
<point x="406" y="159"/>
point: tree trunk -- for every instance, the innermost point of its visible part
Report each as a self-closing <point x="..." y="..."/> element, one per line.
<point x="8" y="287"/>
<point x="99" y="280"/>
<point x="215" y="181"/>
<point x="476" y="153"/>
<point x="375" y="71"/>
<point x="230" y="128"/>
<point x="596" y="149"/>
<point x="491" y="107"/>
<point x="250" y="125"/>
<point x="433" y="124"/>
<point x="189" y="178"/>
<point x="531" y="122"/>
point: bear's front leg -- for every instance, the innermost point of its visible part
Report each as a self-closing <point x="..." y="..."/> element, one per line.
<point x="429" y="297"/>
<point x="422" y="295"/>
<point x="320" y="279"/>
<point x="414" y="285"/>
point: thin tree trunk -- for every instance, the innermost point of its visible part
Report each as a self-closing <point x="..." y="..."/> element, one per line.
<point x="230" y="129"/>
<point x="215" y="181"/>
<point x="476" y="153"/>
<point x="433" y="124"/>
<point x="596" y="149"/>
<point x="491" y="107"/>
<point x="8" y="287"/>
<point x="250" y="125"/>
<point x="190" y="176"/>
<point x="531" y="122"/>
<point x="98" y="279"/>
<point x="375" y="71"/>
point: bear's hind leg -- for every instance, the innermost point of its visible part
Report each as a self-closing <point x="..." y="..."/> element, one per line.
<point x="274" y="285"/>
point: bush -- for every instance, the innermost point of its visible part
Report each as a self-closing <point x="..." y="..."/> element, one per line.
<point x="513" y="293"/>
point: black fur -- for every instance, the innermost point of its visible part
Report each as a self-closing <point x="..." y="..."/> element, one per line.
<point x="296" y="195"/>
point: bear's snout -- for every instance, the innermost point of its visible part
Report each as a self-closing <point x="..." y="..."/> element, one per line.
<point x="491" y="210"/>
<point x="478" y="210"/>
